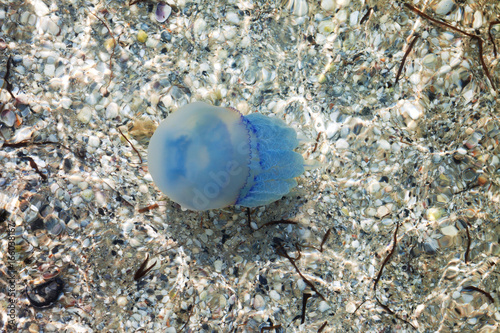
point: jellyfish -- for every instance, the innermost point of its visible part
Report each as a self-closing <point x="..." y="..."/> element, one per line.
<point x="206" y="157"/>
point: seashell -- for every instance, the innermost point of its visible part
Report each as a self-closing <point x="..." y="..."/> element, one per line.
<point x="444" y="7"/>
<point x="205" y="157"/>
<point x="162" y="12"/>
<point x="46" y="294"/>
<point x="8" y="117"/>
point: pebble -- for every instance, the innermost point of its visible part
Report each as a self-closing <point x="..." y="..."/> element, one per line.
<point x="66" y="103"/>
<point x="274" y="295"/>
<point x="218" y="266"/>
<point x="259" y="302"/>
<point x="328" y="5"/>
<point x="121" y="301"/>
<point x="199" y="25"/>
<point x="444" y="7"/>
<point x="87" y="195"/>
<point x="142" y="36"/>
<point x="323" y="306"/>
<point x="112" y="110"/>
<point x="341" y="144"/>
<point x="49" y="70"/>
<point x="449" y="230"/>
<point x="94" y="141"/>
<point x="84" y="115"/>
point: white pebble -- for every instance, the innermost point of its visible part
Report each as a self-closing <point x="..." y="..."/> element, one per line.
<point x="412" y="110"/>
<point x="218" y="266"/>
<point x="49" y="70"/>
<point x="199" y="25"/>
<point x="341" y="144"/>
<point x="384" y="145"/>
<point x="323" y="306"/>
<point x="94" y="141"/>
<point x="112" y="110"/>
<point x="84" y="115"/>
<point x="259" y="302"/>
<point x="274" y="295"/>
<point x="86" y="242"/>
<point x="328" y="4"/>
<point x="40" y="7"/>
<point x="87" y="195"/>
<point x="66" y="103"/>
<point x="353" y="18"/>
<point x="478" y="20"/>
<point x="449" y="230"/>
<point x="121" y="301"/>
<point x="350" y="307"/>
<point x="233" y="17"/>
<point x="444" y="7"/>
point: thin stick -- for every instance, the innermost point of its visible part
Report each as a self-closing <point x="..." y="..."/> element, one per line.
<point x="130" y="143"/>
<point x="410" y="47"/>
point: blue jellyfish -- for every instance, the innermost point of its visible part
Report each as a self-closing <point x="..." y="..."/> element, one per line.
<point x="205" y="157"/>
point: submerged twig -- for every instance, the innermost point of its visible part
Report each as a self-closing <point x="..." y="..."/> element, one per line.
<point x="366" y="16"/>
<point x="410" y="47"/>
<point x="395" y="240"/>
<point x="281" y="251"/>
<point x="106" y="93"/>
<point x="467" y="250"/>
<point x="485" y="293"/>
<point x="130" y="143"/>
<point x="449" y="26"/>
<point x="6" y="83"/>
<point x="142" y="271"/>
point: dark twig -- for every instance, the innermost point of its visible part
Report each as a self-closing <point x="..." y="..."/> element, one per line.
<point x="491" y="36"/>
<point x="386" y="308"/>
<point x="305" y="297"/>
<point x="106" y="93"/>
<point x="410" y="47"/>
<point x="325" y="237"/>
<point x="467" y="250"/>
<point x="148" y="208"/>
<point x="472" y="36"/>
<point x="322" y="327"/>
<point x="485" y="293"/>
<point x="142" y="271"/>
<point x="6" y="83"/>
<point x="130" y="143"/>
<point x="268" y="328"/>
<point x="316" y="143"/>
<point x="35" y="166"/>
<point x="281" y="251"/>
<point x="366" y="16"/>
<point x="395" y="240"/>
<point x="275" y="222"/>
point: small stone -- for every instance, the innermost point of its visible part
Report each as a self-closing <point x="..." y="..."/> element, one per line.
<point x="323" y="306"/>
<point x="112" y="110"/>
<point x="341" y="144"/>
<point x="66" y="103"/>
<point x="87" y="195"/>
<point x="328" y="4"/>
<point x="49" y="70"/>
<point x="84" y="115"/>
<point x="259" y="302"/>
<point x="444" y="7"/>
<point x="218" y="266"/>
<point x="94" y="141"/>
<point x="142" y="36"/>
<point x="274" y="295"/>
<point x="233" y="17"/>
<point x="350" y="307"/>
<point x="121" y="301"/>
<point x="449" y="230"/>
<point x="199" y="25"/>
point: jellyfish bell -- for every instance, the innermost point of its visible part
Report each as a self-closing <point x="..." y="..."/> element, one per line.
<point x="205" y="157"/>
